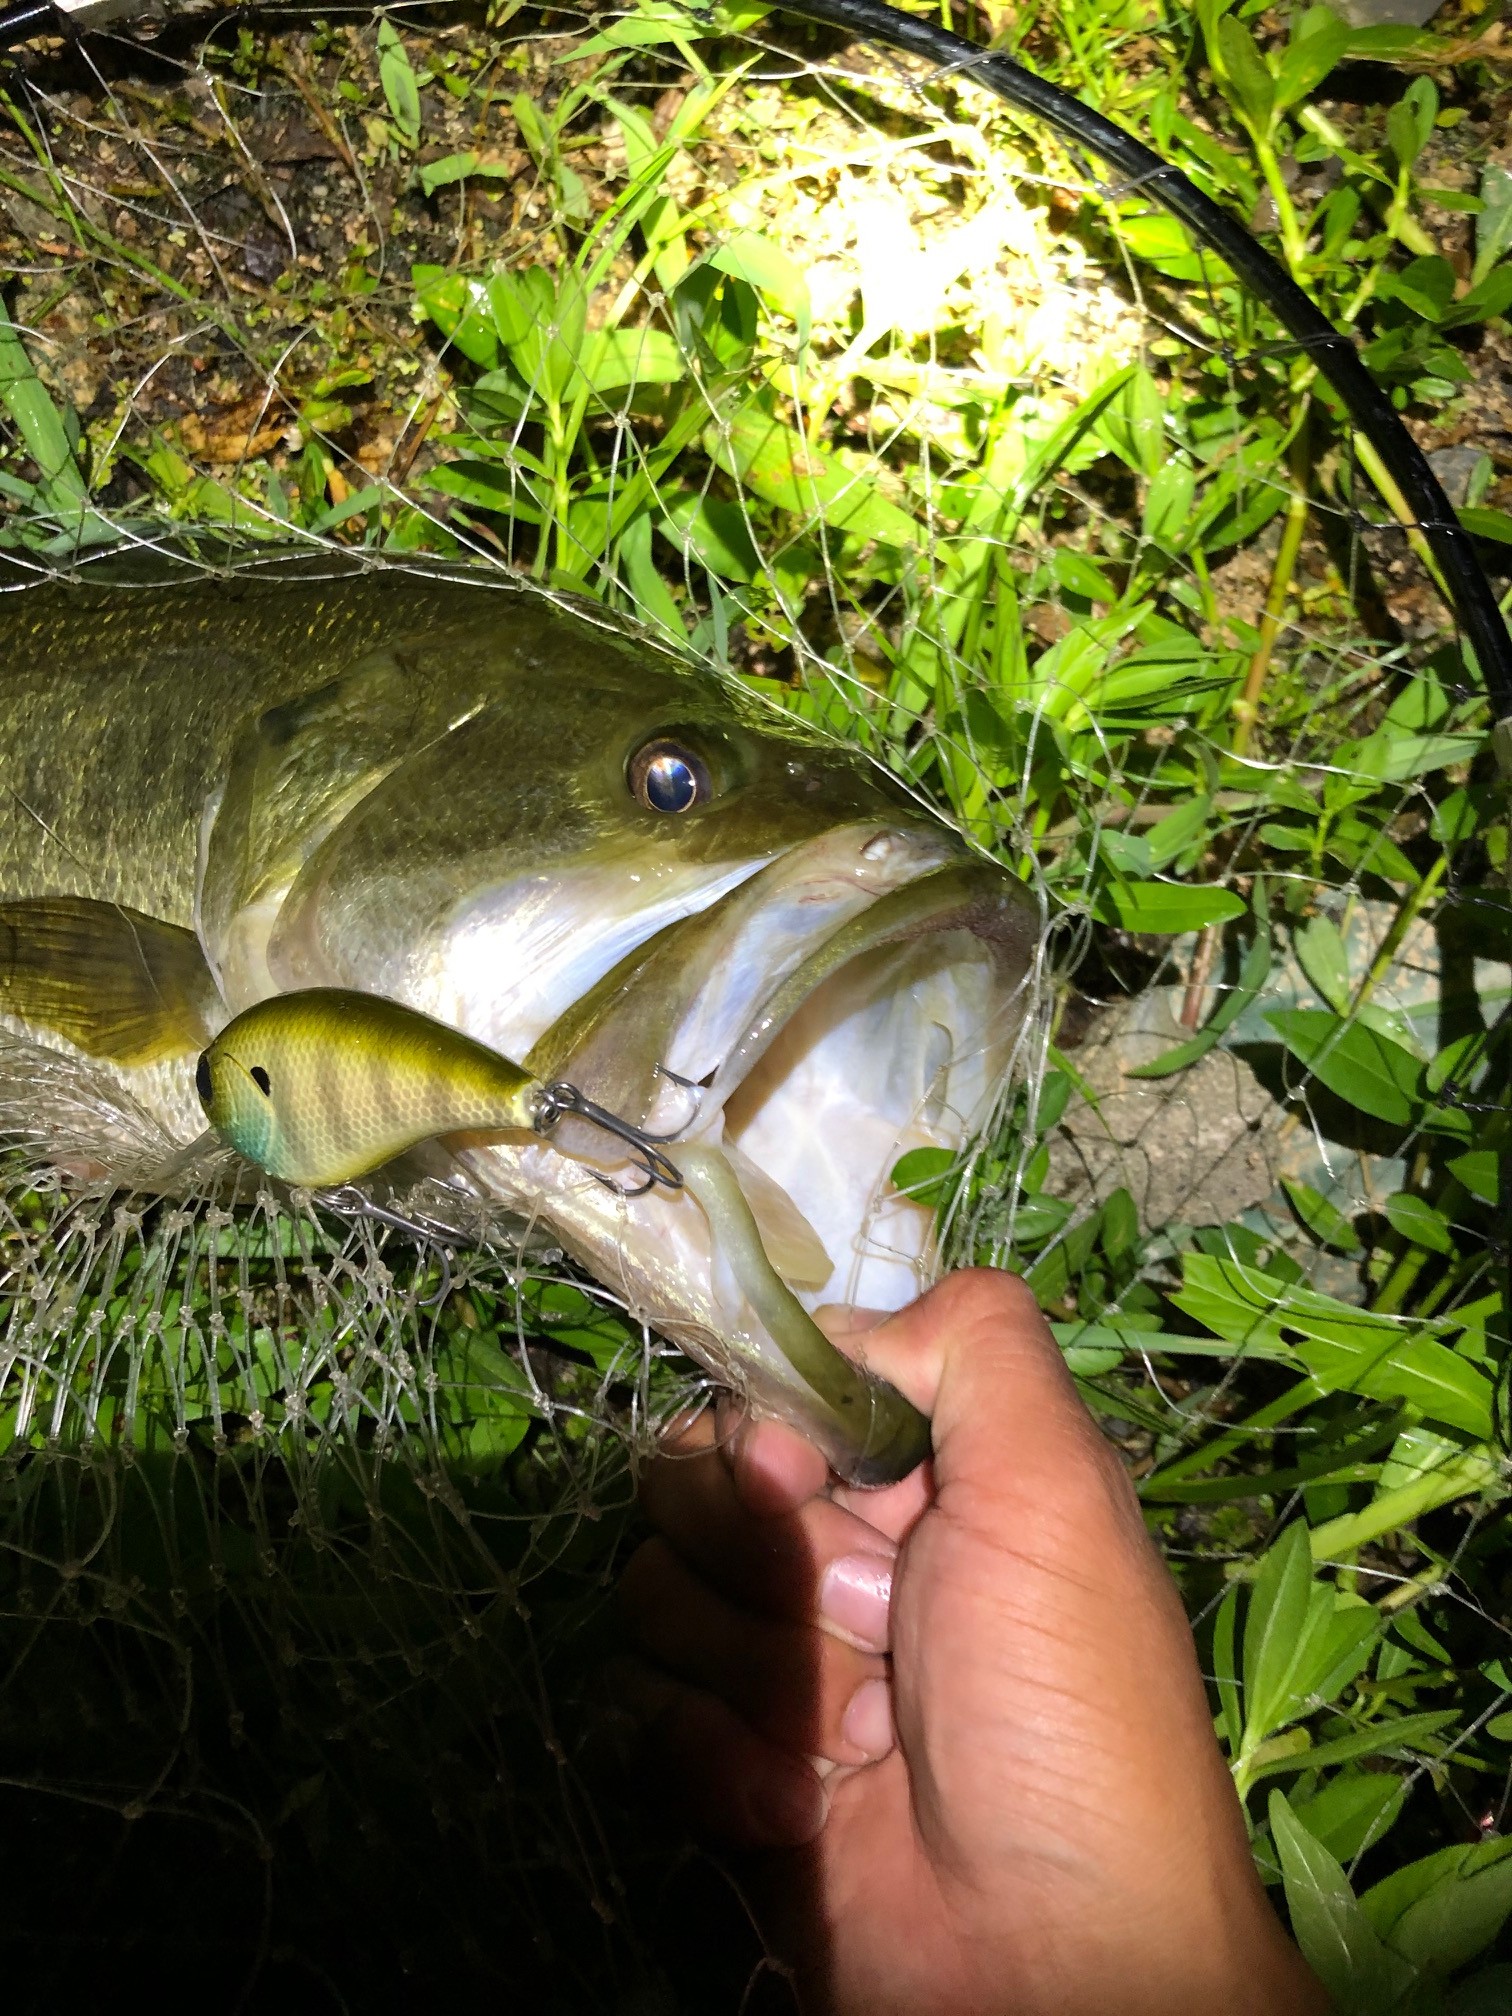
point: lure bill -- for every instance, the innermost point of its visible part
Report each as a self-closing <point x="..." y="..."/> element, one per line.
<point x="503" y="886"/>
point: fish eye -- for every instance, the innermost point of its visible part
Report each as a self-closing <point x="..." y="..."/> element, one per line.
<point x="259" y="1078"/>
<point x="202" y="1084"/>
<point x="668" y="777"/>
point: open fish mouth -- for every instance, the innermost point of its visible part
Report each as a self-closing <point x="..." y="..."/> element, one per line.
<point x="858" y="997"/>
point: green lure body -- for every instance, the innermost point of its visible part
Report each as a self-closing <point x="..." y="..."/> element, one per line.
<point x="325" y="1085"/>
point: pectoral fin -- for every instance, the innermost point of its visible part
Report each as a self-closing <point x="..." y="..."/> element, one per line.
<point x="118" y="984"/>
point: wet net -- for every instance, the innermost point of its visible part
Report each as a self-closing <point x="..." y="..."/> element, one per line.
<point x="876" y="394"/>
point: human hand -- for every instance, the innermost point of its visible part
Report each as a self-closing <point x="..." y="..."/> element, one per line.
<point x="962" y="1715"/>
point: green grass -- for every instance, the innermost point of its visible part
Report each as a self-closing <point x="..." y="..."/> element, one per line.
<point x="1120" y="592"/>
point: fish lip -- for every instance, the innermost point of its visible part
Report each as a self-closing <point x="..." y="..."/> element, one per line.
<point x="691" y="994"/>
<point x="948" y="888"/>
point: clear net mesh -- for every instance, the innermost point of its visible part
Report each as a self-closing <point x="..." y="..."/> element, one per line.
<point x="871" y="394"/>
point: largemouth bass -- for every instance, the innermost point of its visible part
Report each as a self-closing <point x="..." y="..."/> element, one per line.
<point x="526" y="821"/>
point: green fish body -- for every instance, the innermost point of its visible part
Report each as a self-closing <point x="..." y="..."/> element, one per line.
<point x="516" y="817"/>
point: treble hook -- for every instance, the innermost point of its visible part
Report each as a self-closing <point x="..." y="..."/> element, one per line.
<point x="560" y="1098"/>
<point x="348" y="1202"/>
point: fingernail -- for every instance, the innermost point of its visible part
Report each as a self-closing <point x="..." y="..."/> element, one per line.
<point x="855" y="1595"/>
<point x="867" y="1723"/>
<point x="790" y="1807"/>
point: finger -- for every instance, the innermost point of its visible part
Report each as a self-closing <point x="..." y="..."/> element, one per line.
<point x="891" y="1510"/>
<point x="775" y="1469"/>
<point x="819" y="1565"/>
<point x="709" y="1769"/>
<point x="798" y="1687"/>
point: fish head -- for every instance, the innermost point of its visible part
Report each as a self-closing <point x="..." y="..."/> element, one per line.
<point x="630" y="875"/>
<point x="506" y="818"/>
<point x="238" y="1102"/>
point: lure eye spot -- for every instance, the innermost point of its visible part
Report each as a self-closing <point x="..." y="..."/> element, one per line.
<point x="260" y="1079"/>
<point x="667" y="777"/>
<point x="202" y="1083"/>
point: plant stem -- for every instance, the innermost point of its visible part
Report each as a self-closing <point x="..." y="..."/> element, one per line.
<point x="1398" y="506"/>
<point x="1246" y="707"/>
<point x="1301" y="1395"/>
<point x="1411" y="908"/>
<point x="1460" y="1478"/>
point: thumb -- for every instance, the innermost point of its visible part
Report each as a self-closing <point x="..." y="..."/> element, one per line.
<point x="976" y="1354"/>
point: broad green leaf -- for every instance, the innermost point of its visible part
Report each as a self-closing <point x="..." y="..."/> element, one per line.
<point x="1416" y="1453"/>
<point x="1357" y="1063"/>
<point x="1168" y="504"/>
<point x="486" y="486"/>
<point x="1337" y="1652"/>
<point x="776" y="462"/>
<point x="1337" y="1939"/>
<point x="1410" y="121"/>
<point x="1082" y="576"/>
<point x="715" y="532"/>
<point x="1253" y="86"/>
<point x="460" y="309"/>
<point x="1345" y="1349"/>
<point x="1353" y="1810"/>
<point x="651" y="26"/>
<point x="1321" y="44"/>
<point x="1418" y="1222"/>
<point x="1405" y="1736"/>
<point x="1252" y="977"/>
<point x="765" y="266"/>
<point x="1480" y="1172"/>
<point x="1319" y="1216"/>
<point x="1484" y="303"/>
<point x="434" y="175"/>
<point x="1162" y="242"/>
<point x="38" y="421"/>
<point x="1487" y="523"/>
<point x="1445" y="1908"/>
<point x="397" y="77"/>
<point x="1322" y="957"/>
<point x="927" y="1174"/>
<point x="1493" y="227"/>
<point x="1178" y="830"/>
<point x="547" y="355"/>
<point x="1459" y="1917"/>
<point x="1456" y="817"/>
<point x="517" y="300"/>
<point x="1120" y="1223"/>
<point x="654" y="602"/>
<point x="1133" y="424"/>
<point x="1166" y="909"/>
<point x="613" y="358"/>
<point x="1273" y="1627"/>
<point x="1391" y="758"/>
